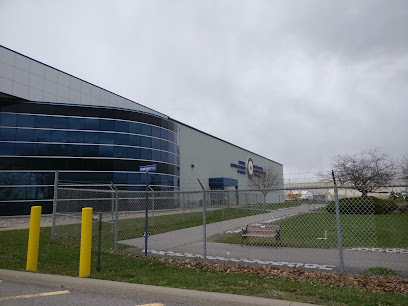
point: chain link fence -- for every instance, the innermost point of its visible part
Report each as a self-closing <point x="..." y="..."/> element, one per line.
<point x="323" y="229"/>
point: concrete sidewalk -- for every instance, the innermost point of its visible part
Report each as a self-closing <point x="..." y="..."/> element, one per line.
<point x="188" y="242"/>
<point x="309" y="258"/>
<point x="174" y="239"/>
<point x="135" y="290"/>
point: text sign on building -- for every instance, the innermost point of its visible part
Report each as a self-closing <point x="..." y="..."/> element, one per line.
<point x="248" y="168"/>
<point x="147" y="168"/>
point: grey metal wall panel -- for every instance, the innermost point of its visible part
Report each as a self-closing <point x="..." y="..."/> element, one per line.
<point x="32" y="80"/>
<point x="203" y="157"/>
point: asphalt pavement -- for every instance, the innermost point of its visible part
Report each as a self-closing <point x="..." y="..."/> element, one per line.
<point x="101" y="292"/>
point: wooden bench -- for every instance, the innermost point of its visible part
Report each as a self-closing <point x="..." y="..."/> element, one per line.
<point x="261" y="230"/>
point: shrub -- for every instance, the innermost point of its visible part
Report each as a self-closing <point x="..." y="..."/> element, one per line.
<point x="363" y="206"/>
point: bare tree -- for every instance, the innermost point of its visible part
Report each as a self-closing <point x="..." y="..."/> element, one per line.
<point x="266" y="180"/>
<point x="364" y="171"/>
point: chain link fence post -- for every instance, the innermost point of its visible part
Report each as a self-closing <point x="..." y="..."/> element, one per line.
<point x="246" y="198"/>
<point x="336" y="203"/>
<point x="205" y="225"/>
<point x="54" y="205"/>
<point x="225" y="202"/>
<point x="116" y="218"/>
<point x="147" y="214"/>
<point x="98" y="266"/>
<point x="184" y="207"/>
<point x="152" y="207"/>
<point x="264" y="201"/>
<point x="113" y="210"/>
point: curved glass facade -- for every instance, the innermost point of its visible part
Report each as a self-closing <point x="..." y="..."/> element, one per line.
<point x="85" y="144"/>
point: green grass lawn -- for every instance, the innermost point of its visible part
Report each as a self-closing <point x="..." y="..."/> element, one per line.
<point x="272" y="206"/>
<point x="135" y="227"/>
<point x="302" y="231"/>
<point x="56" y="257"/>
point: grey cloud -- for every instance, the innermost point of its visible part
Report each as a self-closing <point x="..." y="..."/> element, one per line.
<point x="295" y="81"/>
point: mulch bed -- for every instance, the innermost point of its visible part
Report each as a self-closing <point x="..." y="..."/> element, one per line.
<point x="377" y="284"/>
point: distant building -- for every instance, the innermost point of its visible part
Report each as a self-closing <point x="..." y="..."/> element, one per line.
<point x="298" y="195"/>
<point x="326" y="192"/>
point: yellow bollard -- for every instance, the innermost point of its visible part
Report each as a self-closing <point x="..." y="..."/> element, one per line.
<point x="33" y="239"/>
<point x="86" y="243"/>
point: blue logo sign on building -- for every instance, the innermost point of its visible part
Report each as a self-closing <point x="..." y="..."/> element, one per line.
<point x="248" y="168"/>
<point x="147" y="168"/>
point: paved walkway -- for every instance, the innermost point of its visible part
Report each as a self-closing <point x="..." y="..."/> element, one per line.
<point x="309" y="258"/>
<point x="186" y="236"/>
<point x="189" y="243"/>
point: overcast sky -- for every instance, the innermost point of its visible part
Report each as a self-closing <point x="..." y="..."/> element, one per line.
<point x="295" y="81"/>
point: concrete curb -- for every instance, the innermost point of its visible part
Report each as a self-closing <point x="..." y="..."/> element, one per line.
<point x="136" y="290"/>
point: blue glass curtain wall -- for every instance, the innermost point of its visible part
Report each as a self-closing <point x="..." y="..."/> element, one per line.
<point x="21" y="190"/>
<point x="50" y="131"/>
<point x="52" y="136"/>
<point x="63" y="110"/>
<point x="98" y="145"/>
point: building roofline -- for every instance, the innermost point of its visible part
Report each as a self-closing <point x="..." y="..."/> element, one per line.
<point x="83" y="80"/>
<point x="91" y="106"/>
<point x="165" y="116"/>
<point x="179" y="122"/>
